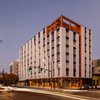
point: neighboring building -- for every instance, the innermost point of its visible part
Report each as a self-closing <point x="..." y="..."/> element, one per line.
<point x="14" y="67"/>
<point x="96" y="72"/>
<point x="66" y="47"/>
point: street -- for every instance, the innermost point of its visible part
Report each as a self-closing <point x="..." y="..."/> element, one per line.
<point x="36" y="94"/>
<point x="29" y="96"/>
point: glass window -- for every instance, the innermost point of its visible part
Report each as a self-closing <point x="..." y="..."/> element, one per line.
<point x="58" y="57"/>
<point x="58" y="33"/>
<point x="58" y="71"/>
<point x="58" y="48"/>
<point x="67" y="72"/>
<point x="52" y="36"/>
<point x="67" y="57"/>
<point x="74" y="36"/>
<point x="74" y="72"/>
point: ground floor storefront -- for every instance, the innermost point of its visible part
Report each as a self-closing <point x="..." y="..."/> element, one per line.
<point x="96" y="80"/>
<point x="57" y="82"/>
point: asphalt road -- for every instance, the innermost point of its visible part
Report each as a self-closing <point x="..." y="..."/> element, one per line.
<point x="29" y="96"/>
<point x="92" y="94"/>
<point x="36" y="94"/>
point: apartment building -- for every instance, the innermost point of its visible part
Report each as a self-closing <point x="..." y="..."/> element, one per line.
<point x="59" y="56"/>
<point x="96" y="72"/>
<point x="14" y="67"/>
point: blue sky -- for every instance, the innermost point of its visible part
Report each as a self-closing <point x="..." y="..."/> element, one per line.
<point x="21" y="19"/>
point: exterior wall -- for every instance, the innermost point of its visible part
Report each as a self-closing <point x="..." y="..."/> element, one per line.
<point x="71" y="54"/>
<point x="86" y="68"/>
<point x="77" y="55"/>
<point x="62" y="51"/>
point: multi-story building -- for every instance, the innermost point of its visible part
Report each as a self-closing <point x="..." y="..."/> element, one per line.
<point x="96" y="72"/>
<point x="14" y="67"/>
<point x="65" y="46"/>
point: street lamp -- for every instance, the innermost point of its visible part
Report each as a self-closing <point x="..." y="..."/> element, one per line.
<point x="44" y="60"/>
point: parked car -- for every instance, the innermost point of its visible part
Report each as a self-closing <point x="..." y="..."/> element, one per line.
<point x="86" y="87"/>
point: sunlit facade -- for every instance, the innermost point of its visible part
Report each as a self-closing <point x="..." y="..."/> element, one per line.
<point x="66" y="48"/>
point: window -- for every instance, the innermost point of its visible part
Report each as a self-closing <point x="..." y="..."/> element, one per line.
<point x="89" y="35"/>
<point x="39" y="37"/>
<point x="67" y="41"/>
<point x="58" y="71"/>
<point x="67" y="57"/>
<point x="67" y="30"/>
<point x="74" y="59"/>
<point x="58" y="33"/>
<point x="67" y="49"/>
<point x="85" y="61"/>
<point x="67" y="72"/>
<point x="53" y="58"/>
<point x="52" y="36"/>
<point x="52" y="51"/>
<point x="58" y="48"/>
<point x="48" y="52"/>
<point x="85" y="71"/>
<point x="74" y="51"/>
<point x="52" y="44"/>
<point x="34" y="40"/>
<point x="67" y="64"/>
<point x="48" y="73"/>
<point x="74" y="36"/>
<point x="44" y="42"/>
<point x="58" y="40"/>
<point x="48" y="39"/>
<point x="74" y="72"/>
<point x="47" y="46"/>
<point x="74" y="66"/>
<point x="53" y="72"/>
<point x="58" y="57"/>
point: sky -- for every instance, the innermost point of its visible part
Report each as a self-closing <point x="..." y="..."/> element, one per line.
<point x="20" y="20"/>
